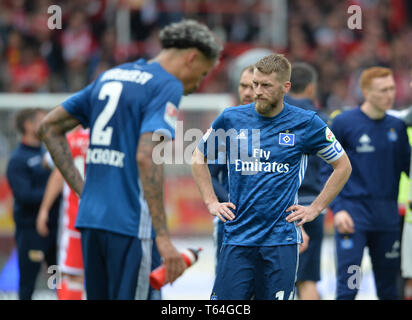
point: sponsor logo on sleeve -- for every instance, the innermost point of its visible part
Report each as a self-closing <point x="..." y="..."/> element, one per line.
<point x="329" y="135"/>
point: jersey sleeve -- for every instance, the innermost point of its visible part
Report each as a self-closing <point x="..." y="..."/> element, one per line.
<point x="321" y="141"/>
<point x="160" y="115"/>
<point x="213" y="143"/>
<point x="78" y="105"/>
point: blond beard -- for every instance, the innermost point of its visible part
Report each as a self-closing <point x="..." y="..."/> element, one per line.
<point x="267" y="107"/>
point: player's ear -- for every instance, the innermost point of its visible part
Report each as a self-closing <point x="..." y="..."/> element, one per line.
<point x="286" y="86"/>
<point x="365" y="93"/>
<point x="190" y="57"/>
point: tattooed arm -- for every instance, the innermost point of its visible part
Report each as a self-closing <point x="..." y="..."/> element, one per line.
<point x="52" y="132"/>
<point x="151" y="176"/>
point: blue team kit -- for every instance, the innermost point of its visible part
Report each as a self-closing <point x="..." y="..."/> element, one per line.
<point x="266" y="160"/>
<point x="119" y="106"/>
<point x="379" y="151"/>
<point x="107" y="106"/>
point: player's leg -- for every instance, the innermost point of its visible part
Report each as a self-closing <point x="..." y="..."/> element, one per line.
<point x="94" y="259"/>
<point x="30" y="256"/>
<point x="349" y="253"/>
<point x="128" y="266"/>
<point x="384" y="250"/>
<point x="217" y="239"/>
<point x="309" y="261"/>
<point x="277" y="269"/>
<point x="406" y="259"/>
<point x="71" y="266"/>
<point x="51" y="248"/>
<point x="235" y="274"/>
<point x="71" y="288"/>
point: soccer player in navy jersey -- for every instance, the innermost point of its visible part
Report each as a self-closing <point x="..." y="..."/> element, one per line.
<point x="266" y="145"/>
<point x="130" y="109"/>
<point x="28" y="179"/>
<point x="366" y="211"/>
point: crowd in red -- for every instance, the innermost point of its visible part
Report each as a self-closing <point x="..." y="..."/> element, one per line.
<point x="34" y="58"/>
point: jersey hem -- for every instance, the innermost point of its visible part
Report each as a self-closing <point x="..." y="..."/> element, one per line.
<point x="135" y="235"/>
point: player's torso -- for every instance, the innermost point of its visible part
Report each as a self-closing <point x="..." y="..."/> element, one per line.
<point x="112" y="198"/>
<point x="371" y="139"/>
<point x="373" y="148"/>
<point x="269" y="152"/>
<point x="115" y="120"/>
<point x="265" y="175"/>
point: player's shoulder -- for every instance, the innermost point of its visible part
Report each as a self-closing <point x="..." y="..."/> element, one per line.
<point x="140" y="71"/>
<point x="297" y="114"/>
<point x="237" y="110"/>
<point x="394" y="120"/>
<point x="345" y="115"/>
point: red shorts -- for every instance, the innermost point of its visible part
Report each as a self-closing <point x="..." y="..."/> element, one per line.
<point x="70" y="252"/>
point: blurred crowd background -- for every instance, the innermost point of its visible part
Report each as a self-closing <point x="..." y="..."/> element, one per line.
<point x="98" y="34"/>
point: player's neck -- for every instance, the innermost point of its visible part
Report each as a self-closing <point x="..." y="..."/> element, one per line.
<point x="372" y="112"/>
<point x="30" y="140"/>
<point x="166" y="58"/>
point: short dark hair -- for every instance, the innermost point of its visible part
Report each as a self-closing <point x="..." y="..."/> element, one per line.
<point x="302" y="75"/>
<point x="249" y="69"/>
<point x="26" y="114"/>
<point x="190" y="34"/>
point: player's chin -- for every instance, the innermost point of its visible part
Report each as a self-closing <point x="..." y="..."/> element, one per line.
<point x="247" y="101"/>
<point x="262" y="105"/>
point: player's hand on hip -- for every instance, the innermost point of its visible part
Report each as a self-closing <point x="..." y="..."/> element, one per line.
<point x="222" y="210"/>
<point x="343" y="222"/>
<point x="172" y="259"/>
<point x="301" y="214"/>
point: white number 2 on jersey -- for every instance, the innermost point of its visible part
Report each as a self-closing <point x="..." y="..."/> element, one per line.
<point x="100" y="135"/>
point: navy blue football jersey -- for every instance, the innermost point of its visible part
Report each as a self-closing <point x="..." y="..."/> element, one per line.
<point x="119" y="106"/>
<point x="267" y="159"/>
<point x="379" y="151"/>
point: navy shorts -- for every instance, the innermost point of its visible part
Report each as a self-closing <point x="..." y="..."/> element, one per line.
<point x="264" y="273"/>
<point x="384" y="251"/>
<point x="116" y="266"/>
<point x="309" y="260"/>
<point x="217" y="239"/>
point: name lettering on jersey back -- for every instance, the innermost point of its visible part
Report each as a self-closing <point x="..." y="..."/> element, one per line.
<point x="105" y="156"/>
<point x="137" y="76"/>
<point x="261" y="166"/>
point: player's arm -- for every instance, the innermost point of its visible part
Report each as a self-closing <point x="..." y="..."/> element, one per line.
<point x="52" y="132"/>
<point x="53" y="189"/>
<point x="151" y="176"/>
<point x="201" y="175"/>
<point x="337" y="180"/>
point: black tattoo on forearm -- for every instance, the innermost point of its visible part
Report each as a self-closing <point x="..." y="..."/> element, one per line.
<point x="53" y="133"/>
<point x="151" y="176"/>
